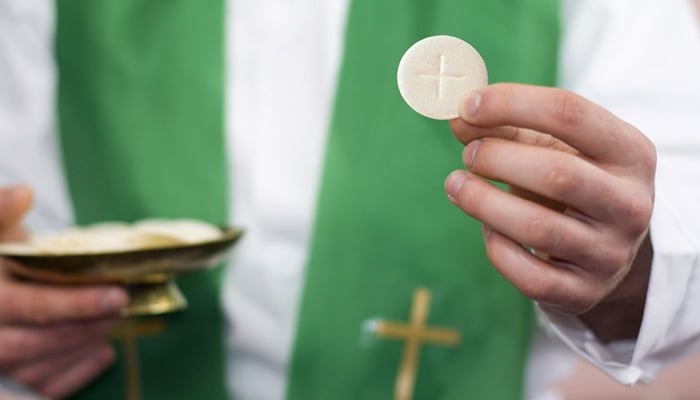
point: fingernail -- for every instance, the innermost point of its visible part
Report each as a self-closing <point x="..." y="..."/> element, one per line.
<point x="454" y="183"/>
<point x="470" y="106"/>
<point x="114" y="299"/>
<point x="470" y="152"/>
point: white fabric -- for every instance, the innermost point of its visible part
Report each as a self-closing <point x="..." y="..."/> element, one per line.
<point x="605" y="57"/>
<point x="28" y="144"/>
<point x="283" y="59"/>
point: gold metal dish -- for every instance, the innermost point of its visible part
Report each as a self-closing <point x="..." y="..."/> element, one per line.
<point x="147" y="274"/>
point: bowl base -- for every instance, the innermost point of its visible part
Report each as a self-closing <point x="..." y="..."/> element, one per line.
<point x="153" y="299"/>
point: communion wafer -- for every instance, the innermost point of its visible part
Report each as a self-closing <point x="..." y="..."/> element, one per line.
<point x="436" y="72"/>
<point x="115" y="236"/>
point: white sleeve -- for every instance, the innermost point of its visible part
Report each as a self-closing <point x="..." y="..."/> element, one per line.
<point x="29" y="150"/>
<point x="641" y="60"/>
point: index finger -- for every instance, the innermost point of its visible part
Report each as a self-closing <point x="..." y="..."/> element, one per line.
<point x="36" y="304"/>
<point x="580" y="123"/>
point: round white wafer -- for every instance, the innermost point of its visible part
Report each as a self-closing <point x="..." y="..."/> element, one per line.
<point x="436" y="72"/>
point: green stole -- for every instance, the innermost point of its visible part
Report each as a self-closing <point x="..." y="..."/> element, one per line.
<point x="141" y="116"/>
<point x="384" y="226"/>
<point x="141" y="104"/>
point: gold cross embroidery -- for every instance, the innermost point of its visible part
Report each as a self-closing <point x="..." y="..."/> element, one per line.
<point x="128" y="332"/>
<point x="415" y="333"/>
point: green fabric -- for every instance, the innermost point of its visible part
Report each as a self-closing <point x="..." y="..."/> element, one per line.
<point x="384" y="226"/>
<point x="141" y="119"/>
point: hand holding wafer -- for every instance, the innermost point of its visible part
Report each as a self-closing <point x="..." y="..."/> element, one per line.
<point x="572" y="230"/>
<point x="582" y="192"/>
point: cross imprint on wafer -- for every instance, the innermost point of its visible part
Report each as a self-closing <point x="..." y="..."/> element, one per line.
<point x="442" y="75"/>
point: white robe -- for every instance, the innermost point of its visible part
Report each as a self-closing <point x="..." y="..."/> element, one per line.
<point x="288" y="53"/>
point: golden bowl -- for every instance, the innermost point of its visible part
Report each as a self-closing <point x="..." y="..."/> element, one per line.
<point x="147" y="274"/>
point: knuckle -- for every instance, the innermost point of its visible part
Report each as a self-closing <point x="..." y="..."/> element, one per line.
<point x="648" y="155"/>
<point x="644" y="149"/>
<point x="561" y="182"/>
<point x="616" y="257"/>
<point x="569" y="109"/>
<point x="591" y="255"/>
<point x="541" y="234"/>
<point x="636" y="215"/>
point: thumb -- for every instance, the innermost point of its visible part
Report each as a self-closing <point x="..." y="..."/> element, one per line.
<point x="15" y="201"/>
